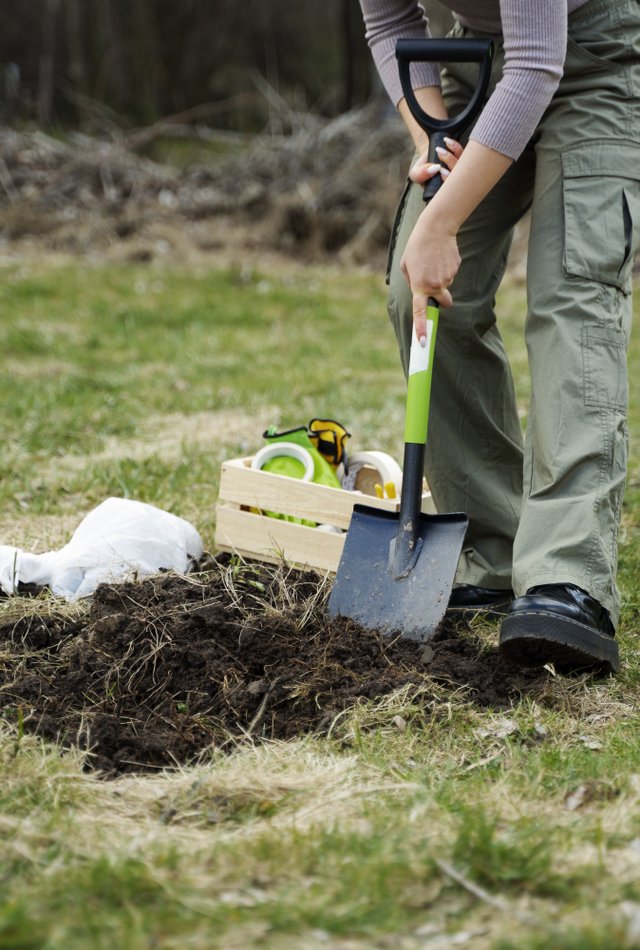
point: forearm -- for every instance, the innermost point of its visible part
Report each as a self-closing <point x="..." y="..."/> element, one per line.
<point x="476" y="172"/>
<point x="430" y="99"/>
<point x="431" y="258"/>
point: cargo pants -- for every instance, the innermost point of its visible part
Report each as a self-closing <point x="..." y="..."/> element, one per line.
<point x="545" y="508"/>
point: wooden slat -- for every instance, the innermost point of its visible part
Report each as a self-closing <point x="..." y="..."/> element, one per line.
<point x="268" y="539"/>
<point x="255" y="535"/>
<point x="265" y="491"/>
<point x="291" y="496"/>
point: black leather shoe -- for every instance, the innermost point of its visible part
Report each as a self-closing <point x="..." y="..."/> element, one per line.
<point x="563" y="625"/>
<point x="467" y="599"/>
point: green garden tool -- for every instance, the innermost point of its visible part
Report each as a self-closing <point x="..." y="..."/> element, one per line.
<point x="397" y="569"/>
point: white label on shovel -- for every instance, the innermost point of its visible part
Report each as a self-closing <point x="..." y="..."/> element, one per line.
<point x="420" y="357"/>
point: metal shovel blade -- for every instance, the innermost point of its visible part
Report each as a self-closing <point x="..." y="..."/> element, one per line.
<point x="366" y="588"/>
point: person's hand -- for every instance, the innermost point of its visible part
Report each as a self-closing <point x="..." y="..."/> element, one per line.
<point x="431" y="258"/>
<point x="422" y="169"/>
<point x="429" y="263"/>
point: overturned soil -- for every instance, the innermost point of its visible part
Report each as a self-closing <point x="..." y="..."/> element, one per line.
<point x="158" y="672"/>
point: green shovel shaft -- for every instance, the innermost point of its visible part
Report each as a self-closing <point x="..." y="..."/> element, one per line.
<point x="408" y="539"/>
<point x="419" y="380"/>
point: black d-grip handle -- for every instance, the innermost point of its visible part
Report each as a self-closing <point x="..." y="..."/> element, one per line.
<point x="443" y="51"/>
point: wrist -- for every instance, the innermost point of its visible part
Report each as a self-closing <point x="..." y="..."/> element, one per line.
<point x="436" y="221"/>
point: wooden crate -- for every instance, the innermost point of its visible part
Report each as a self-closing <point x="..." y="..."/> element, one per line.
<point x="241" y="527"/>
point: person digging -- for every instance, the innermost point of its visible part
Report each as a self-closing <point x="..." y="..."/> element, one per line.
<point x="559" y="136"/>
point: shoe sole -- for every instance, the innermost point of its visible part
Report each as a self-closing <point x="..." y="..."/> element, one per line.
<point x="535" y="638"/>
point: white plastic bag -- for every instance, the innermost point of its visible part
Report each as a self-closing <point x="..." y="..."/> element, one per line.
<point x="119" y="539"/>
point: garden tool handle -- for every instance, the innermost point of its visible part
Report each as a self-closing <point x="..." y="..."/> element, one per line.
<point x="415" y="438"/>
<point x="443" y="51"/>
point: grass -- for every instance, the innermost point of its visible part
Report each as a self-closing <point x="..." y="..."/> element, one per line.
<point x="95" y="358"/>
<point x="410" y="826"/>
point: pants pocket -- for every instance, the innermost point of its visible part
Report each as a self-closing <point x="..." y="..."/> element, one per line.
<point x="605" y="368"/>
<point x="601" y="197"/>
<point x="602" y="35"/>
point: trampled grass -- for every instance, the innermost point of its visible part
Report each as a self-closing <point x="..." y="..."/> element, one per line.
<point x="409" y="826"/>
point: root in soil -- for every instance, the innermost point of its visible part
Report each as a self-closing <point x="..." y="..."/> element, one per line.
<point x="156" y="673"/>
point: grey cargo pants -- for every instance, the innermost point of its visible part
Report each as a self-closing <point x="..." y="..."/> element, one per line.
<point x="544" y="509"/>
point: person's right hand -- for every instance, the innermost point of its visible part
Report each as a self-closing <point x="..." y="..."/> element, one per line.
<point x="430" y="262"/>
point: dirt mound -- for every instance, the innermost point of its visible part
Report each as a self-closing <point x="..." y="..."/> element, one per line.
<point x="159" y="671"/>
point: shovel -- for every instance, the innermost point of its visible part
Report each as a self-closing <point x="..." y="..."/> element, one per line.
<point x="396" y="570"/>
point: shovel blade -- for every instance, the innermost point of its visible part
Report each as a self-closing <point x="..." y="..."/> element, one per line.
<point x="366" y="588"/>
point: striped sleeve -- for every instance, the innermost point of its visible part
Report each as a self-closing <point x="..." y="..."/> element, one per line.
<point x="535" y="40"/>
<point x="387" y="21"/>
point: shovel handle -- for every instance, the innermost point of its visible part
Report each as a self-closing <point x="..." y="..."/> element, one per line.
<point x="443" y="51"/>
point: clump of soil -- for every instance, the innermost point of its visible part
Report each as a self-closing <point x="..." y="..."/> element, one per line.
<point x="161" y="670"/>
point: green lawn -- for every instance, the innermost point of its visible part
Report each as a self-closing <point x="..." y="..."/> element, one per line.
<point x="406" y="828"/>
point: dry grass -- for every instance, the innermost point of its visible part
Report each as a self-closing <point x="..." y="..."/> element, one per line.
<point x="422" y="820"/>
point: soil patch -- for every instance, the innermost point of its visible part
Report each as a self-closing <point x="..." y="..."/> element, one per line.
<point x="159" y="671"/>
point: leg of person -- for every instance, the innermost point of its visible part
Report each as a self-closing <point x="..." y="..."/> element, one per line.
<point x="474" y="446"/>
<point x="586" y="211"/>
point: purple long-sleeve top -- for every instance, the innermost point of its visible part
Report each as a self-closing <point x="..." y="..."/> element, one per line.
<point x="535" y="40"/>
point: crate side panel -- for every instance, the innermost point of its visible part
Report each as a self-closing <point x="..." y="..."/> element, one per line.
<point x="291" y="496"/>
<point x="269" y="539"/>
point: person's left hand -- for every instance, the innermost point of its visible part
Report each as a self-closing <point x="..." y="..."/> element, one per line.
<point x="422" y="169"/>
